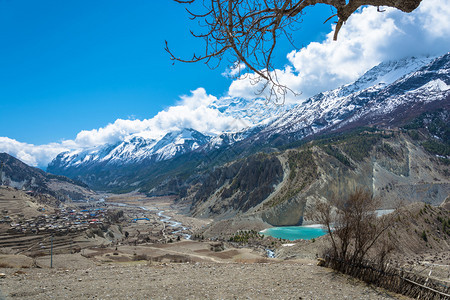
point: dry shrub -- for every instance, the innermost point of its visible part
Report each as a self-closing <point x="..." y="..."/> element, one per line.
<point x="172" y="258"/>
<point x="262" y="261"/>
<point x="140" y="257"/>
<point x="5" y="265"/>
<point x="354" y="228"/>
<point x="38" y="254"/>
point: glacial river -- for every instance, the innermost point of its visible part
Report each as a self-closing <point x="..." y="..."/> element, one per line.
<point x="163" y="218"/>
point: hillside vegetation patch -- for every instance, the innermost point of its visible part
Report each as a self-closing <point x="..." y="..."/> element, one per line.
<point x="303" y="171"/>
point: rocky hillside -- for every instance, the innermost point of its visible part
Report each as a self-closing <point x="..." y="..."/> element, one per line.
<point x="408" y="164"/>
<point x="420" y="239"/>
<point x="17" y="174"/>
<point x="428" y="230"/>
<point x="236" y="187"/>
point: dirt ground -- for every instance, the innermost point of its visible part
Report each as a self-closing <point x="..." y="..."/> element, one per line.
<point x="149" y="280"/>
<point x="187" y="269"/>
<point x="179" y="270"/>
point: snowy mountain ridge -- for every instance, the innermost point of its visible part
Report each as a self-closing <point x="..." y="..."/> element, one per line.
<point x="138" y="147"/>
<point x="384" y="74"/>
<point x="249" y="113"/>
<point x="134" y="149"/>
<point x="381" y="91"/>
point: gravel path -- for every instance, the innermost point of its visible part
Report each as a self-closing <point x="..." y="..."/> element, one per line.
<point x="303" y="280"/>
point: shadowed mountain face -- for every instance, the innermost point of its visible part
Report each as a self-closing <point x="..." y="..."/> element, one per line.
<point x="19" y="175"/>
<point x="400" y="165"/>
<point x="312" y="150"/>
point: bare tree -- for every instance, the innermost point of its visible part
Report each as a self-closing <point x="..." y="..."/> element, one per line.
<point x="354" y="228"/>
<point x="248" y="31"/>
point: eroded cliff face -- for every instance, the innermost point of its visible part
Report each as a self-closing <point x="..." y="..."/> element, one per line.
<point x="394" y="169"/>
<point x="236" y="187"/>
<point x="389" y="163"/>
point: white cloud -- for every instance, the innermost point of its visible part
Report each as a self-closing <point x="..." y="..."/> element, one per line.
<point x="34" y="155"/>
<point x="368" y="38"/>
<point x="192" y="111"/>
<point x="109" y="134"/>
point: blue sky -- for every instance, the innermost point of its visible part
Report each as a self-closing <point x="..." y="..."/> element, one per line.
<point x="73" y="65"/>
<point x="77" y="74"/>
<point x="67" y="66"/>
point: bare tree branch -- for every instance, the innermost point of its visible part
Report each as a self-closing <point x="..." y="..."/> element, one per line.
<point x="248" y="30"/>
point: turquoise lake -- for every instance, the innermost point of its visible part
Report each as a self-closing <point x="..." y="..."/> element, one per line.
<point x="293" y="233"/>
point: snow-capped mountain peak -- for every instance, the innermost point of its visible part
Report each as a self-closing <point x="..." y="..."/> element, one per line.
<point x="387" y="94"/>
<point x="378" y="93"/>
<point x="135" y="148"/>
<point x="249" y="113"/>
<point x="384" y="74"/>
<point x="178" y="142"/>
